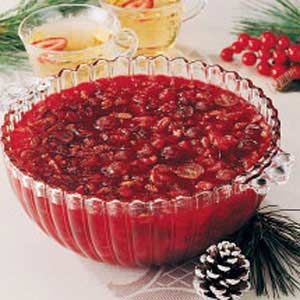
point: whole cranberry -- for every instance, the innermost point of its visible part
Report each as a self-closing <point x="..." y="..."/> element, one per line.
<point x="278" y="70"/>
<point x="264" y="68"/>
<point x="283" y="42"/>
<point x="268" y="39"/>
<point x="249" y="59"/>
<point x="254" y="44"/>
<point x="280" y="57"/>
<point x="244" y="38"/>
<point x="264" y="55"/>
<point x="227" y="54"/>
<point x="237" y="47"/>
<point x="294" y="53"/>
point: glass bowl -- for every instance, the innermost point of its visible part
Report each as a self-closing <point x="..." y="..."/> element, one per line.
<point x="139" y="233"/>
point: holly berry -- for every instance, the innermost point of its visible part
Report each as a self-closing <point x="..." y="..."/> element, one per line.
<point x="237" y="47"/>
<point x="249" y="59"/>
<point x="254" y="44"/>
<point x="264" y="68"/>
<point x="227" y="54"/>
<point x="280" y="57"/>
<point x="243" y="39"/>
<point x="268" y="39"/>
<point x="283" y="42"/>
<point x="294" y="53"/>
<point x="278" y="70"/>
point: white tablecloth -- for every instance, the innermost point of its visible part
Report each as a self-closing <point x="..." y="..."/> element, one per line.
<point x="33" y="267"/>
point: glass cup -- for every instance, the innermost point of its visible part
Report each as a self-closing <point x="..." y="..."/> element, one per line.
<point x="157" y="28"/>
<point x="66" y="35"/>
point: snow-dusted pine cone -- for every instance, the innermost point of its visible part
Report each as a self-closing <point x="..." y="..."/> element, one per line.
<point x="223" y="273"/>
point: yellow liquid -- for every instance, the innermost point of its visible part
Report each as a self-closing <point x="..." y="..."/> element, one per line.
<point x="82" y="38"/>
<point x="157" y="28"/>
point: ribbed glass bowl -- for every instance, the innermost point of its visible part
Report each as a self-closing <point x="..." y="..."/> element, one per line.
<point x="145" y="233"/>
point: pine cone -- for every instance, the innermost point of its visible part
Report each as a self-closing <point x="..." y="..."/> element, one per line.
<point x="223" y="273"/>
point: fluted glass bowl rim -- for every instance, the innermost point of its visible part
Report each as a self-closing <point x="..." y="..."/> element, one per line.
<point x="245" y="180"/>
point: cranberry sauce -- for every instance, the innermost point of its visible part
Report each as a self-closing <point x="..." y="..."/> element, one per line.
<point x="139" y="137"/>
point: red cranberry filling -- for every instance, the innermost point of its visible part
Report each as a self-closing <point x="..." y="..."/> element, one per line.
<point x="139" y="137"/>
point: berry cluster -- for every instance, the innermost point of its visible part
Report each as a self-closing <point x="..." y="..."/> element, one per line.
<point x="272" y="55"/>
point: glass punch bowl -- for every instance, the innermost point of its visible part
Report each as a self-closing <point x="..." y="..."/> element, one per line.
<point x="139" y="233"/>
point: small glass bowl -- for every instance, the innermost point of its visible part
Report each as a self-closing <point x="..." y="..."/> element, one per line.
<point x="139" y="233"/>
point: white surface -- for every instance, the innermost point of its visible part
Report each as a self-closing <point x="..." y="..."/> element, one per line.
<point x="33" y="267"/>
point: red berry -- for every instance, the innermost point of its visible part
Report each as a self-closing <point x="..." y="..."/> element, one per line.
<point x="227" y="54"/>
<point x="280" y="57"/>
<point x="283" y="42"/>
<point x="254" y="44"/>
<point x="264" y="54"/>
<point x="243" y="39"/>
<point x="249" y="59"/>
<point x="278" y="70"/>
<point x="268" y="39"/>
<point x="264" y="68"/>
<point x="294" y="53"/>
<point x="237" y="47"/>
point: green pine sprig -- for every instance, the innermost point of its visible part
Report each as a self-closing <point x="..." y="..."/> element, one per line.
<point x="271" y="242"/>
<point x="279" y="16"/>
<point x="10" y="44"/>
